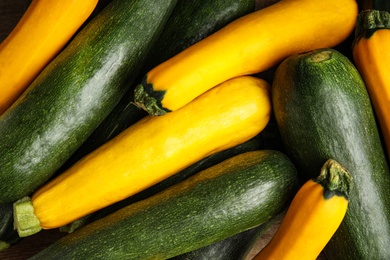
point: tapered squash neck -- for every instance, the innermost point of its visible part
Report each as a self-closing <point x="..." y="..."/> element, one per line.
<point x="335" y="179"/>
<point x="369" y="21"/>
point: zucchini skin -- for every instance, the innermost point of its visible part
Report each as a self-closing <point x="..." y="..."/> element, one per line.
<point x="239" y="193"/>
<point x="191" y="21"/>
<point x="75" y="92"/>
<point x="323" y="111"/>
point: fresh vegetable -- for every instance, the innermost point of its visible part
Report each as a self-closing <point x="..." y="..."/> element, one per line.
<point x="235" y="195"/>
<point x="150" y="151"/>
<point x="314" y="215"/>
<point x="75" y="92"/>
<point x="323" y="111"/>
<point x="191" y="21"/>
<point x="267" y="139"/>
<point x="373" y="62"/>
<point x="42" y="32"/>
<point x="248" y="45"/>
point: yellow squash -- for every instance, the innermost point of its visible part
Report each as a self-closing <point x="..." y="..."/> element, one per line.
<point x="371" y="54"/>
<point x="248" y="45"/>
<point x="314" y="215"/>
<point x="153" y="149"/>
<point x="44" y="29"/>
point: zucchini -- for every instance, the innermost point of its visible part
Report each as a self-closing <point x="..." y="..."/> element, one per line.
<point x="323" y="111"/>
<point x="191" y="21"/>
<point x="265" y="140"/>
<point x="313" y="216"/>
<point x="150" y="151"/>
<point x="371" y="38"/>
<point x="75" y="92"/>
<point x="239" y="193"/>
<point x="251" y="44"/>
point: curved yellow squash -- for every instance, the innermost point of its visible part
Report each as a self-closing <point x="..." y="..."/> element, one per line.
<point x="248" y="45"/>
<point x="371" y="54"/>
<point x="314" y="215"/>
<point x="44" y="29"/>
<point x="155" y="148"/>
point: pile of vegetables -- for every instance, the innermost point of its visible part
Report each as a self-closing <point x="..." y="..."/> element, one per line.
<point x="168" y="129"/>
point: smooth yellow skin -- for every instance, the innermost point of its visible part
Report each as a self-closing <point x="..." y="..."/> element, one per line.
<point x="372" y="59"/>
<point x="308" y="225"/>
<point x="252" y="44"/>
<point x="156" y="148"/>
<point x="44" y="29"/>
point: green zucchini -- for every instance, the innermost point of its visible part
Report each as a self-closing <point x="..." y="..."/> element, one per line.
<point x="323" y="110"/>
<point x="237" y="194"/>
<point x="191" y="21"/>
<point x="75" y="92"/>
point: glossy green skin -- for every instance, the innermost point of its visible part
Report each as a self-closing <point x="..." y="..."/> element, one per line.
<point x="75" y="92"/>
<point x="324" y="112"/>
<point x="235" y="195"/>
<point x="191" y="21"/>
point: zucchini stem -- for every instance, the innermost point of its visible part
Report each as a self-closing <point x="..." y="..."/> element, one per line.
<point x="25" y="221"/>
<point x="335" y="179"/>
<point x="145" y="100"/>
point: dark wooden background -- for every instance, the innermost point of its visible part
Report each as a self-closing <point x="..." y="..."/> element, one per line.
<point x="10" y="13"/>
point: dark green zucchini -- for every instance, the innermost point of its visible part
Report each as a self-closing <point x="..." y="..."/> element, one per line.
<point x="323" y="111"/>
<point x="237" y="194"/>
<point x="75" y="92"/>
<point x="191" y="21"/>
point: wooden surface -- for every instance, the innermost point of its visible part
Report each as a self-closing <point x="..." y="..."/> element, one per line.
<point x="10" y="13"/>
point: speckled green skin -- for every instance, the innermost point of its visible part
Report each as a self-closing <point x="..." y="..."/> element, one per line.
<point x="324" y="112"/>
<point x="75" y="92"/>
<point x="235" y="195"/>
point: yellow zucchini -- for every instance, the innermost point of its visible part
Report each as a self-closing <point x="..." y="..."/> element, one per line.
<point x="44" y="29"/>
<point x="248" y="45"/>
<point x="371" y="54"/>
<point x="153" y="149"/>
<point x="314" y="215"/>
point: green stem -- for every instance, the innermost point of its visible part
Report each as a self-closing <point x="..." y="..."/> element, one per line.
<point x="26" y="223"/>
<point x="369" y="21"/>
<point x="335" y="179"/>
